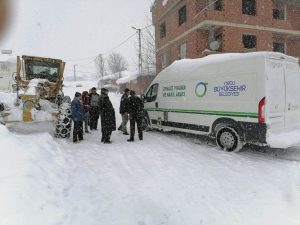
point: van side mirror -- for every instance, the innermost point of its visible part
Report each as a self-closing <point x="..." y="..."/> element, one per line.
<point x="143" y="97"/>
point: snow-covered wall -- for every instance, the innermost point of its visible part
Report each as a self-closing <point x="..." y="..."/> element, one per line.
<point x="7" y="68"/>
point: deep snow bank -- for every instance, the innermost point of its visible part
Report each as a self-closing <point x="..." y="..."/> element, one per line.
<point x="32" y="179"/>
<point x="163" y="180"/>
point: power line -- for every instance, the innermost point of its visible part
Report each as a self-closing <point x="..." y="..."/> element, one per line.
<point x="205" y="8"/>
<point x="82" y="59"/>
<point x="80" y="71"/>
<point x="84" y="66"/>
<point x="119" y="44"/>
<point x="93" y="57"/>
<point x="147" y="26"/>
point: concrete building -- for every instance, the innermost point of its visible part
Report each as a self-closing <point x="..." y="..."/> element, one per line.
<point x="193" y="28"/>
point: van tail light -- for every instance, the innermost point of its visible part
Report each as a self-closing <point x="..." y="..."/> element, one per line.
<point x="261" y="110"/>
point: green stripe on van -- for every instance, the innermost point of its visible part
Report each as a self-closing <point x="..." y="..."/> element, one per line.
<point x="206" y="112"/>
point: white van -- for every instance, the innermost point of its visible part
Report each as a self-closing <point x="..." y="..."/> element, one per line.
<point x="235" y="98"/>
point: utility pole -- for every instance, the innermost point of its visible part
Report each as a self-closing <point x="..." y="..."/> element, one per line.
<point x="139" y="31"/>
<point x="75" y="72"/>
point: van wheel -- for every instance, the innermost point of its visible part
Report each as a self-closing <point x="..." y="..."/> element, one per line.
<point x="145" y="124"/>
<point x="229" y="140"/>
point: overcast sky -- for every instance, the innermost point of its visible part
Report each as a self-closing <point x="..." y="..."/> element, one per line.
<point x="75" y="29"/>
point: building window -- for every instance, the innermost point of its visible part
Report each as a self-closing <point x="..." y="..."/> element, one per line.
<point x="182" y="15"/>
<point x="218" y="5"/>
<point x="278" y="47"/>
<point x="162" y="30"/>
<point x="183" y="51"/>
<point x="249" y="7"/>
<point x="163" y="61"/>
<point x="249" y="41"/>
<point x="278" y="14"/>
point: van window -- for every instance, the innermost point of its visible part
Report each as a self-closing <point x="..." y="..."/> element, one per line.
<point x="152" y="93"/>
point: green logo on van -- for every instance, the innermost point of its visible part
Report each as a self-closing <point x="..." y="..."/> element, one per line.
<point x="201" y="89"/>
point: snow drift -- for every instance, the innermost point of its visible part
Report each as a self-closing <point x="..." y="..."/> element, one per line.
<point x="165" y="179"/>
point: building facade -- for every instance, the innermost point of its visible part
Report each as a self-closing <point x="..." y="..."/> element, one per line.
<point x="193" y="28"/>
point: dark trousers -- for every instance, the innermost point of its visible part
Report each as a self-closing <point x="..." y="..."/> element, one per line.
<point x="106" y="135"/>
<point x="77" y="131"/>
<point x="94" y="117"/>
<point x="138" y="121"/>
<point x="86" y="119"/>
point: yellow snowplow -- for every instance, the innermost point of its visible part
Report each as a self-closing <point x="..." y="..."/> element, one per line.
<point x="39" y="96"/>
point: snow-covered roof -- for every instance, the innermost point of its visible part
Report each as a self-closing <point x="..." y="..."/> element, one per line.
<point x="109" y="86"/>
<point x="110" y="77"/>
<point x="128" y="76"/>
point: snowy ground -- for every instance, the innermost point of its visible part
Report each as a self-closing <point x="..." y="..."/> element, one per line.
<point x="167" y="179"/>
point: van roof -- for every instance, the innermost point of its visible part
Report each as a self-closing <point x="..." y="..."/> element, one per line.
<point x="187" y="66"/>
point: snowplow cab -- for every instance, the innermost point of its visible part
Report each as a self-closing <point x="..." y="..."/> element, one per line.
<point x="38" y="86"/>
<point x="47" y="72"/>
<point x="38" y="78"/>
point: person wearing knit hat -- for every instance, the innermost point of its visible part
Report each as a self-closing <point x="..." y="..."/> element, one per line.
<point x="108" y="118"/>
<point x="94" y="109"/>
<point x="86" y="109"/>
<point x="135" y="109"/>
<point x="77" y="117"/>
<point x="124" y="112"/>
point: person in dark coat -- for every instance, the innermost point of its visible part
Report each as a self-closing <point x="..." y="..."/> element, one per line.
<point x="124" y="111"/>
<point x="86" y="109"/>
<point x="108" y="118"/>
<point x="77" y="117"/>
<point x="135" y="109"/>
<point x="94" y="108"/>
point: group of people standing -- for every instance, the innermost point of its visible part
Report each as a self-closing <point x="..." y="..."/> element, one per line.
<point x="88" y="107"/>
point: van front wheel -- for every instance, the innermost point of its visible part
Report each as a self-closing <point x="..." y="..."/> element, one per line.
<point x="228" y="139"/>
<point x="145" y="124"/>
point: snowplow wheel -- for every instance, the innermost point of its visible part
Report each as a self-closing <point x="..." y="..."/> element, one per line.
<point x="64" y="119"/>
<point x="229" y="140"/>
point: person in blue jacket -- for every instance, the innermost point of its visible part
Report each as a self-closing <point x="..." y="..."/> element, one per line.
<point x="77" y="117"/>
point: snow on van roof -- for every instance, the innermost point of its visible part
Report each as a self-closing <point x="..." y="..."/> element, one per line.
<point x="187" y="66"/>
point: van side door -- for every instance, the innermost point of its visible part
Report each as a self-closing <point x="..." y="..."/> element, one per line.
<point x="151" y="104"/>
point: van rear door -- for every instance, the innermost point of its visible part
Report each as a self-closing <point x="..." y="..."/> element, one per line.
<point x="275" y="94"/>
<point x="292" y="103"/>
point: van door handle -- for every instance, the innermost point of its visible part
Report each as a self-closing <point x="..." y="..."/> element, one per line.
<point x="156" y="104"/>
<point x="289" y="107"/>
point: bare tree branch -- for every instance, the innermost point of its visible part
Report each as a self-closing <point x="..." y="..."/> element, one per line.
<point x="116" y="63"/>
<point x="100" y="65"/>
